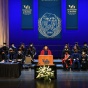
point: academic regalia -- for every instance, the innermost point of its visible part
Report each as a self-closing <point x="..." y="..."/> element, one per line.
<point x="85" y="49"/>
<point x="3" y="57"/>
<point x="66" y="50"/>
<point x="31" y="52"/>
<point x="45" y="52"/>
<point x="66" y="61"/>
<point x="5" y="49"/>
<point x="19" y="56"/>
<point x="14" y="49"/>
<point x="12" y="55"/>
<point x="84" y="59"/>
<point x="76" y="57"/>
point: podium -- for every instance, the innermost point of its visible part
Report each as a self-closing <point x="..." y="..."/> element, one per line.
<point x="45" y="60"/>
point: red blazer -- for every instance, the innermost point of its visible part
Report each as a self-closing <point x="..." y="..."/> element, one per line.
<point x="42" y="52"/>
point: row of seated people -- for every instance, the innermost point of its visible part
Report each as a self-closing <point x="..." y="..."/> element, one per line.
<point x="32" y="48"/>
<point x="75" y="60"/>
<point x="31" y="52"/>
<point x="76" y="46"/>
<point x="14" y="53"/>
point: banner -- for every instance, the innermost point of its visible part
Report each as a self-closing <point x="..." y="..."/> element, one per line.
<point x="72" y="14"/>
<point x="27" y="14"/>
<point x="49" y="19"/>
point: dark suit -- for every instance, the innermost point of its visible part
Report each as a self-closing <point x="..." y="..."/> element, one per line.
<point x="76" y="59"/>
<point x="3" y="57"/>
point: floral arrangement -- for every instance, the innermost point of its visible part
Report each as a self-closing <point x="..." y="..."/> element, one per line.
<point x="45" y="72"/>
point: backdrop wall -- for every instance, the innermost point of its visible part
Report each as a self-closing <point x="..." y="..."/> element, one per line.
<point x="17" y="35"/>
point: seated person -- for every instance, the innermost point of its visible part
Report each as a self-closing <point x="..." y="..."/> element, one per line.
<point x="84" y="58"/>
<point x="5" y="48"/>
<point x="85" y="48"/>
<point x="76" y="47"/>
<point x="67" y="44"/>
<point x="3" y="56"/>
<point x="76" y="59"/>
<point x="66" y="60"/>
<point x="14" y="48"/>
<point x="23" y="48"/>
<point x="66" y="48"/>
<point x="31" y="51"/>
<point x="11" y="54"/>
<point x="20" y="56"/>
<point x="46" y="51"/>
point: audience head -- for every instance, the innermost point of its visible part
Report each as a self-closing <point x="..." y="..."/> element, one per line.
<point x="66" y="46"/>
<point x="75" y="47"/>
<point x="10" y="50"/>
<point x="20" y="49"/>
<point x="76" y="43"/>
<point x="76" y="51"/>
<point x="45" y="47"/>
<point x="19" y="52"/>
<point x="85" y="43"/>
<point x="83" y="53"/>
<point x="22" y="45"/>
<point x="31" y="45"/>
<point x="4" y="44"/>
<point x="12" y="44"/>
<point x="3" y="52"/>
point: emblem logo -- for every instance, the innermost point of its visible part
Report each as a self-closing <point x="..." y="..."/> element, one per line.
<point x="71" y="6"/>
<point x="27" y="10"/>
<point x="45" y="61"/>
<point x="72" y="10"/>
<point x="49" y="25"/>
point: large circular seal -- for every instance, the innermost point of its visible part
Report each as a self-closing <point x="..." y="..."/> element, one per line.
<point x="49" y="25"/>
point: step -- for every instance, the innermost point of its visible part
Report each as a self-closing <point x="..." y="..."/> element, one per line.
<point x="56" y="61"/>
<point x="58" y="66"/>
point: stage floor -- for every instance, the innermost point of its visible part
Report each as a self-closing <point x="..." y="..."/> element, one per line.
<point x="65" y="79"/>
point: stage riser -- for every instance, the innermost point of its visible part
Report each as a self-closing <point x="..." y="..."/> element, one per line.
<point x="58" y="66"/>
<point x="56" y="61"/>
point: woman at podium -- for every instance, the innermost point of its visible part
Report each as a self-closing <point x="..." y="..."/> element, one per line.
<point x="46" y="51"/>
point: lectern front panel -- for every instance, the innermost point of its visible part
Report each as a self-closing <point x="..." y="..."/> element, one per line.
<point x="45" y="60"/>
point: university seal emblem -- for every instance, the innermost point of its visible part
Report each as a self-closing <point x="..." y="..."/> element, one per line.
<point x="49" y="25"/>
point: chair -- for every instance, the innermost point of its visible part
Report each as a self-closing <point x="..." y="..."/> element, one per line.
<point x="27" y="62"/>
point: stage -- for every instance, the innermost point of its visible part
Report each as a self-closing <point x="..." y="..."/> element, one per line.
<point x="65" y="79"/>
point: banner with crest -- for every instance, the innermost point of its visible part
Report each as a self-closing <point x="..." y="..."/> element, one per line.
<point x="27" y="14"/>
<point x="49" y="19"/>
<point x="72" y="14"/>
